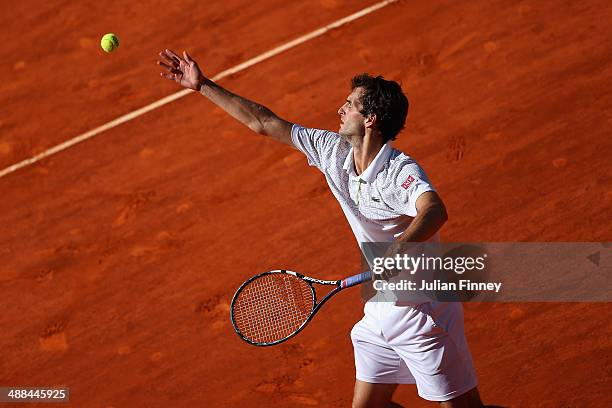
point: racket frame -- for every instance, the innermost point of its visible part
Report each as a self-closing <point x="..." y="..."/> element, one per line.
<point x="315" y="308"/>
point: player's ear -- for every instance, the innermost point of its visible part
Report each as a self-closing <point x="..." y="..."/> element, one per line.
<point x="370" y="121"/>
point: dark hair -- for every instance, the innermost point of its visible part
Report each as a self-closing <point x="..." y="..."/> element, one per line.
<point x="386" y="100"/>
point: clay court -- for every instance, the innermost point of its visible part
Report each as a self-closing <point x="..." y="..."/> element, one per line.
<point x="119" y="255"/>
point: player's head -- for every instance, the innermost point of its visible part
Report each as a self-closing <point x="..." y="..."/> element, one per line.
<point x="373" y="103"/>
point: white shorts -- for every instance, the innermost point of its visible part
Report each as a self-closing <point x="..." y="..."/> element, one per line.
<point x="422" y="344"/>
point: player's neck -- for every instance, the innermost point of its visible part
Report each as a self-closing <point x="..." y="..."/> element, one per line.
<point x="365" y="151"/>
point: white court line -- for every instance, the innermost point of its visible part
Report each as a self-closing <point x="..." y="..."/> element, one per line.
<point x="177" y="95"/>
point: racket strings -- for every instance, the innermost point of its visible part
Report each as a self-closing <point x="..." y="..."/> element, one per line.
<point x="272" y="307"/>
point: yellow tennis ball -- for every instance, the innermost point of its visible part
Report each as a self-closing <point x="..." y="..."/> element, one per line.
<point x="109" y="42"/>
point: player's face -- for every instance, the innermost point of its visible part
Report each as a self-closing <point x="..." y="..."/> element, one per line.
<point x="352" y="122"/>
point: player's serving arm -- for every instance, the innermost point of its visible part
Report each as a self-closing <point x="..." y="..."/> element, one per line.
<point x="258" y="118"/>
<point x="430" y="210"/>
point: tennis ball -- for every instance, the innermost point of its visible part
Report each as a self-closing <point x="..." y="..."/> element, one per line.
<point x="109" y="42"/>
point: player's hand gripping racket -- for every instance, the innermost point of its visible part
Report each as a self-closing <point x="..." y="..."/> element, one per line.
<point x="274" y="306"/>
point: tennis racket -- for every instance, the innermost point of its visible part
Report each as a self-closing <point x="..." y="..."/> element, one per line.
<point x="274" y="306"/>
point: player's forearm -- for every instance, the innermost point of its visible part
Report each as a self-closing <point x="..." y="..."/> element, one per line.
<point x="248" y="112"/>
<point x="427" y="222"/>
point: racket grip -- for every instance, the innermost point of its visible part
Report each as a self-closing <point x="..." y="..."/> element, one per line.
<point x="356" y="279"/>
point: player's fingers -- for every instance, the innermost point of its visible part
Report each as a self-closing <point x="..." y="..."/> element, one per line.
<point x="173" y="55"/>
<point x="172" y="69"/>
<point x="172" y="77"/>
<point x="168" y="59"/>
<point x="388" y="274"/>
<point x="165" y="65"/>
<point x="168" y="76"/>
<point x="187" y="57"/>
<point x="164" y="53"/>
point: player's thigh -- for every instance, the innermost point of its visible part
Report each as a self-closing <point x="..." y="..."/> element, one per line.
<point x="370" y="395"/>
<point x="424" y="338"/>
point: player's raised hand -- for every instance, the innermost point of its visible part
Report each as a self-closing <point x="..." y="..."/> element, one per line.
<point x="183" y="70"/>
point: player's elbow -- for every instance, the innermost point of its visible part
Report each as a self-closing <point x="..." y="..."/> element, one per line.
<point x="263" y="121"/>
<point x="443" y="214"/>
<point x="258" y="119"/>
<point x="436" y="212"/>
<point x="268" y="121"/>
<point x="256" y="126"/>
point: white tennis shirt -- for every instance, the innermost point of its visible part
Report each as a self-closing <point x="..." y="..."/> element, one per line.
<point x="380" y="203"/>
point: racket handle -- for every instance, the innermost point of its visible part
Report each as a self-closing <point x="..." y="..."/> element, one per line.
<point x="356" y="279"/>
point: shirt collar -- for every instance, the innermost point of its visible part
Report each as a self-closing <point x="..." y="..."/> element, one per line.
<point x="369" y="174"/>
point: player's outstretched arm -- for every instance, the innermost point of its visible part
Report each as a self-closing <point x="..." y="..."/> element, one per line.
<point x="186" y="72"/>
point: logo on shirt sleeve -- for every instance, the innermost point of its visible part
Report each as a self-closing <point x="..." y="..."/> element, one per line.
<point x="406" y="184"/>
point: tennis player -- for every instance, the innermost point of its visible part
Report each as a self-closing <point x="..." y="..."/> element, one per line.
<point x="386" y="197"/>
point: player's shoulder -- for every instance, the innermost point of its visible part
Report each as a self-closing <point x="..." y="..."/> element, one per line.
<point x="399" y="173"/>
<point x="327" y="148"/>
<point x="400" y="165"/>
<point x="324" y="139"/>
<point x="314" y="132"/>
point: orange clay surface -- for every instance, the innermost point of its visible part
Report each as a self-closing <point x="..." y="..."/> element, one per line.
<point x="119" y="256"/>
